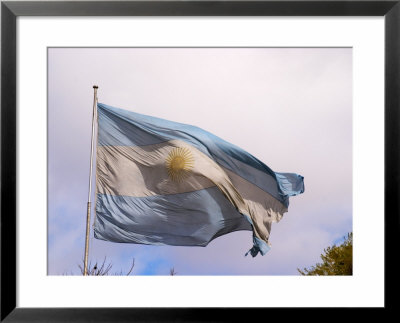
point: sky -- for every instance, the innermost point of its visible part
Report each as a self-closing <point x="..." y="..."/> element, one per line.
<point x="289" y="107"/>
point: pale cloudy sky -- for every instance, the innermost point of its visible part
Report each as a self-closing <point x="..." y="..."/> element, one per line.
<point x="289" y="107"/>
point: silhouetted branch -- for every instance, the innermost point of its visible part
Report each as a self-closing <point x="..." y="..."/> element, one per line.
<point x="103" y="269"/>
<point x="133" y="264"/>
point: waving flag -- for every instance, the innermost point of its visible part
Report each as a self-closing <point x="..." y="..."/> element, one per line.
<point x="165" y="183"/>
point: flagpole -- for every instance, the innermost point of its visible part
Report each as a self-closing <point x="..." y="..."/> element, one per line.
<point x="95" y="87"/>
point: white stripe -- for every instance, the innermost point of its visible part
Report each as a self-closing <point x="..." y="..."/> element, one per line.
<point x="141" y="171"/>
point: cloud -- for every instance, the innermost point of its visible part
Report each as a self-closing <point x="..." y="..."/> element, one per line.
<point x="290" y="107"/>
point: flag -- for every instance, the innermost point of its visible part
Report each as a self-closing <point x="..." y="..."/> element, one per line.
<point x="160" y="182"/>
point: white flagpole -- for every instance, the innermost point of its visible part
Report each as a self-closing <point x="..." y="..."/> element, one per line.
<point x="95" y="87"/>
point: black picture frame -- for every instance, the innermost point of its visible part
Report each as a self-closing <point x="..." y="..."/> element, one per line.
<point x="10" y="10"/>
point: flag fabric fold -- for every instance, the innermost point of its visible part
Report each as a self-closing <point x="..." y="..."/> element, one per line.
<point x="165" y="183"/>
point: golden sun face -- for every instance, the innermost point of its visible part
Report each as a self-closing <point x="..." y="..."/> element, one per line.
<point x="179" y="162"/>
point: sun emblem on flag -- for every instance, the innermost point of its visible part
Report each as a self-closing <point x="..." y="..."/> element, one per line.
<point x="179" y="162"/>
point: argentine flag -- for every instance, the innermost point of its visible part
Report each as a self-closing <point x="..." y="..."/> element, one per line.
<point x="160" y="182"/>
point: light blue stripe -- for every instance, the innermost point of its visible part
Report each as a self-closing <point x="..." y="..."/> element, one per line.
<point x="186" y="219"/>
<point x="118" y="127"/>
<point x="259" y="246"/>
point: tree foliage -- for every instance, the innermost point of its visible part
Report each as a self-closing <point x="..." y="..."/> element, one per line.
<point x="336" y="260"/>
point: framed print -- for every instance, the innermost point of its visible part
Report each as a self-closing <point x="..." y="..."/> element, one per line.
<point x="308" y="87"/>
